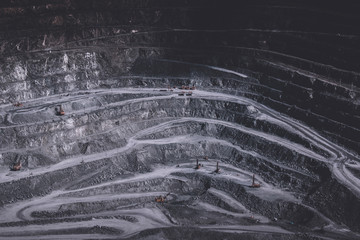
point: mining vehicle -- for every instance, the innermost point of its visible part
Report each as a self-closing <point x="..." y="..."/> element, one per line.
<point x="198" y="165"/>
<point x="217" y="168"/>
<point x="15" y="166"/>
<point x="18" y="104"/>
<point x="161" y="199"/>
<point x="254" y="185"/>
<point x="59" y="110"/>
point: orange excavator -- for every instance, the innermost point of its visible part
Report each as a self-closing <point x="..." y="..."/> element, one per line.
<point x="161" y="199"/>
<point x="254" y="185"/>
<point x="15" y="167"/>
<point x="59" y="110"/>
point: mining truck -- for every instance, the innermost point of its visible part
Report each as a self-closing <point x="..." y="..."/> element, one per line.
<point x="18" y="104"/>
<point x="254" y="185"/>
<point x="15" y="166"/>
<point x="161" y="199"/>
<point x="59" y="110"/>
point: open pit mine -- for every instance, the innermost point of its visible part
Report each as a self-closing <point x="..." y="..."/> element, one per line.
<point x="159" y="119"/>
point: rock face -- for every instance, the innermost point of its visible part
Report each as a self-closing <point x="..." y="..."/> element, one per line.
<point x="150" y="87"/>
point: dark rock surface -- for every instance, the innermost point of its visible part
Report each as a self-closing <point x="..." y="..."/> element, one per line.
<point x="277" y="94"/>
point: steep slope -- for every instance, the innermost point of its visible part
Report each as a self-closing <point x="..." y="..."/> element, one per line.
<point x="151" y="87"/>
